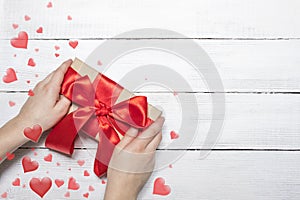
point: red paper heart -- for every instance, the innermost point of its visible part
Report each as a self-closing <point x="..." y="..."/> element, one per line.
<point x="59" y="182"/>
<point x="10" y="156"/>
<point x="73" y="44"/>
<point x="80" y="162"/>
<point x="11" y="103"/>
<point x="69" y="17"/>
<point x="103" y="181"/>
<point x="16" y="182"/>
<point x="29" y="165"/>
<point x="21" y="41"/>
<point x="10" y="76"/>
<point x="67" y="194"/>
<point x="49" y="5"/>
<point x="56" y="47"/>
<point x="91" y="188"/>
<point x="86" y="173"/>
<point x="27" y="18"/>
<point x="30" y="93"/>
<point x="99" y="63"/>
<point x="160" y="188"/>
<point x="31" y="62"/>
<point x="33" y="133"/>
<point x="72" y="185"/>
<point x="86" y="195"/>
<point x="48" y="158"/>
<point x="174" y="135"/>
<point x="39" y="30"/>
<point x="15" y="26"/>
<point x="56" y="55"/>
<point x="40" y="187"/>
<point x="4" y="195"/>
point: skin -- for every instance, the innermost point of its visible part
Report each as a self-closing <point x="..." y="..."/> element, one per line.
<point x="47" y="107"/>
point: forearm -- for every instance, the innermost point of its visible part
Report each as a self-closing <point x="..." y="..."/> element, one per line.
<point x="11" y="136"/>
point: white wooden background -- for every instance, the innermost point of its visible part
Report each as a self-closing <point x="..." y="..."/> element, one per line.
<point x="255" y="45"/>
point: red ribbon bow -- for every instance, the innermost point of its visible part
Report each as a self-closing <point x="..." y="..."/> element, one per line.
<point x="97" y="115"/>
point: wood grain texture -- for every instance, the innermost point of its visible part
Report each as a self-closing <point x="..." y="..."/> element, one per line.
<point x="252" y="121"/>
<point x="244" y="66"/>
<point x="193" y="18"/>
<point x="222" y="175"/>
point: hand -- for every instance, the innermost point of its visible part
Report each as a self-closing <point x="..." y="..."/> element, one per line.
<point x="46" y="107"/>
<point x="132" y="162"/>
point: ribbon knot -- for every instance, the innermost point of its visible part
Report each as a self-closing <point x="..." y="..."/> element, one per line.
<point x="97" y="115"/>
<point x="101" y="109"/>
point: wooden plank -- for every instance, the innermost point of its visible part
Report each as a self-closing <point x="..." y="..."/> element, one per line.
<point x="222" y="175"/>
<point x="261" y="121"/>
<point x="193" y="18"/>
<point x="244" y="66"/>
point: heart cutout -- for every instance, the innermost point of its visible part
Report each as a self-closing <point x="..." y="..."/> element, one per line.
<point x="59" y="182"/>
<point x="174" y="135"/>
<point x="39" y="30"/>
<point x="31" y="62"/>
<point x="21" y="41"/>
<point x="72" y="185"/>
<point x="33" y="133"/>
<point x="48" y="158"/>
<point x="40" y="187"/>
<point x="160" y="188"/>
<point x="29" y="165"/>
<point x="10" y="76"/>
<point x="73" y="44"/>
<point x="16" y="182"/>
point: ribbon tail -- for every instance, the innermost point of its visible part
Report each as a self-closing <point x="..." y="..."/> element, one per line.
<point x="63" y="136"/>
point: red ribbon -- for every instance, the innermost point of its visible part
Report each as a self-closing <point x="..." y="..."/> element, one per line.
<point x="97" y="114"/>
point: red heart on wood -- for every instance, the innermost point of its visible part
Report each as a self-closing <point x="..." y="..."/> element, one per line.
<point x="16" y="182"/>
<point x="40" y="187"/>
<point x="39" y="30"/>
<point x="56" y="55"/>
<point x="80" y="162"/>
<point x="69" y="17"/>
<point x="29" y="165"/>
<point x="31" y="62"/>
<point x="59" y="182"/>
<point x="4" y="195"/>
<point x="86" y="173"/>
<point x="48" y="158"/>
<point x="160" y="188"/>
<point x="49" y="5"/>
<point x="86" y="195"/>
<point x="56" y="47"/>
<point x="10" y="76"/>
<point x="73" y="44"/>
<point x="33" y="133"/>
<point x="27" y="18"/>
<point x="91" y="188"/>
<point x="30" y="93"/>
<point x="11" y="103"/>
<point x="21" y="41"/>
<point x="15" y="26"/>
<point x="72" y="185"/>
<point x="174" y="135"/>
<point x="67" y="194"/>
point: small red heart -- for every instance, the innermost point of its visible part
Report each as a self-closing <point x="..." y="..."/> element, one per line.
<point x="39" y="30"/>
<point x="36" y="49"/>
<point x="11" y="103"/>
<point x="57" y="164"/>
<point x="91" y="188"/>
<point x="49" y="5"/>
<point x="31" y="62"/>
<point x="56" y="55"/>
<point x="81" y="162"/>
<point x="15" y="26"/>
<point x="30" y="93"/>
<point x="99" y="63"/>
<point x="29" y="165"/>
<point x="174" y="135"/>
<point x="33" y="133"/>
<point x="48" y="158"/>
<point x="40" y="187"/>
<point x="16" y="182"/>
<point x="59" y="182"/>
<point x="73" y="44"/>
<point x="10" y="76"/>
<point x="67" y="194"/>
<point x="86" y="173"/>
<point x="4" y="195"/>
<point x="10" y="156"/>
<point x="56" y="47"/>
<point x="170" y="166"/>
<point x="28" y="81"/>
<point x="86" y="195"/>
<point x="160" y="188"/>
<point x="72" y="185"/>
<point x="21" y="41"/>
<point x="27" y="18"/>
<point x="69" y="17"/>
<point x="103" y="181"/>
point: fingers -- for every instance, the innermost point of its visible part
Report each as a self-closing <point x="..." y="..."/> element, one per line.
<point x="146" y="137"/>
<point x="153" y="144"/>
<point x="128" y="138"/>
<point x="59" y="73"/>
<point x="62" y="105"/>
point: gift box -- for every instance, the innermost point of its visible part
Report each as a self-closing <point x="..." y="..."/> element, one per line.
<point x="100" y="108"/>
